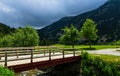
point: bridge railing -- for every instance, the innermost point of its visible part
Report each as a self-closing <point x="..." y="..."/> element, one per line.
<point x="30" y="53"/>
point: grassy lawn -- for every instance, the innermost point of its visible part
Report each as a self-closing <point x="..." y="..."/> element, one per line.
<point x="86" y="47"/>
<point x="110" y="58"/>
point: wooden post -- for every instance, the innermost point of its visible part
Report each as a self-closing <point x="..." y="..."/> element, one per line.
<point x="44" y="52"/>
<point x="17" y="53"/>
<point x="5" y="59"/>
<point x="31" y="56"/>
<point x="0" y="56"/>
<point x="63" y="54"/>
<point x="74" y="52"/>
<point x="49" y="54"/>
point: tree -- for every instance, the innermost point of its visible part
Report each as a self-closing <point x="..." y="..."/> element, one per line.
<point x="27" y="36"/>
<point x="45" y="42"/>
<point x="22" y="37"/>
<point x="89" y="31"/>
<point x="70" y="35"/>
<point x="6" y="41"/>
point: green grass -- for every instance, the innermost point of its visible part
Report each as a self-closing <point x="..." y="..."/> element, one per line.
<point x="110" y="58"/>
<point x="86" y="47"/>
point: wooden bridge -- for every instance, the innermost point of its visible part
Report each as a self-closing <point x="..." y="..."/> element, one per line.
<point x="27" y="58"/>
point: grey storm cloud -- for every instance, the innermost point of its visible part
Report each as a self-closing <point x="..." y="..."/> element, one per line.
<point x="40" y="13"/>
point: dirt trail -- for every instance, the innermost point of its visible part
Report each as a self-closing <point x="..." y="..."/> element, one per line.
<point x="106" y="51"/>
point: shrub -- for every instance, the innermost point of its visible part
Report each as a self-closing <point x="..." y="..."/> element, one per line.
<point x="94" y="66"/>
<point x="6" y="72"/>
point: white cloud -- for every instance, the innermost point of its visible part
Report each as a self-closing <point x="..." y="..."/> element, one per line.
<point x="6" y="9"/>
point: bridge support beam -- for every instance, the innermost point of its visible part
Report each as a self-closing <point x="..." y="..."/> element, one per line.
<point x="29" y="66"/>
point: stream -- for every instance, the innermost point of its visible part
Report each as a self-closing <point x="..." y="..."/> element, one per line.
<point x="67" y="69"/>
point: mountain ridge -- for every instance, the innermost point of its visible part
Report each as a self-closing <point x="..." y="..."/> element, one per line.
<point x="106" y="16"/>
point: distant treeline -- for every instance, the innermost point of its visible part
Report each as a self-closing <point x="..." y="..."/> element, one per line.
<point x="27" y="36"/>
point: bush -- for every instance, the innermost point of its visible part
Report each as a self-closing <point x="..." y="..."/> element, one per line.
<point x="6" y="72"/>
<point x="94" y="66"/>
<point x="23" y="37"/>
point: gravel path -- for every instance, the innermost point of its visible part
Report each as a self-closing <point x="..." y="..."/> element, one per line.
<point x="106" y="51"/>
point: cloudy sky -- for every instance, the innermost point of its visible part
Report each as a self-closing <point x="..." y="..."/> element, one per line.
<point x="40" y="13"/>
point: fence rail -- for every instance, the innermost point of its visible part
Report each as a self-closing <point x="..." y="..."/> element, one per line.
<point x="31" y="53"/>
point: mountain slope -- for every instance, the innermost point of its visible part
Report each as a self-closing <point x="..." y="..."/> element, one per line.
<point x="106" y="16"/>
<point x="4" y="29"/>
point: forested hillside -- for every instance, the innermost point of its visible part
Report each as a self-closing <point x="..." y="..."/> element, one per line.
<point x="106" y="17"/>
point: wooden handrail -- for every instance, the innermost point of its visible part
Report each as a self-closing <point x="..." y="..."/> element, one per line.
<point x="19" y="51"/>
<point x="16" y="48"/>
<point x="30" y="57"/>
